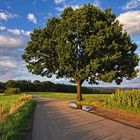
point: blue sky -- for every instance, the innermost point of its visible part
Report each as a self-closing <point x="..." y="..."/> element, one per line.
<point x="19" y="17"/>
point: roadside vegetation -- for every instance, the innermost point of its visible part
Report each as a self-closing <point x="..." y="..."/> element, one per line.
<point x="60" y="95"/>
<point x="10" y="104"/>
<point x="15" y="113"/>
<point x="124" y="99"/>
<point x="128" y="100"/>
<point x="88" y="99"/>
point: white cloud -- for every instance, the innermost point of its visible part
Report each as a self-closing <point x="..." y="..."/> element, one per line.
<point x="131" y="4"/>
<point x="8" y="62"/>
<point x="3" y="16"/>
<point x="96" y="3"/>
<point x="8" y="67"/>
<point x="2" y="28"/>
<point x="6" y="15"/>
<point x="26" y="33"/>
<point x="19" y="32"/>
<point x="59" y="1"/>
<point x="9" y="74"/>
<point x="31" y="17"/>
<point x="60" y="9"/>
<point x="131" y="21"/>
<point x="7" y="41"/>
<point x="74" y="7"/>
<point x="14" y="31"/>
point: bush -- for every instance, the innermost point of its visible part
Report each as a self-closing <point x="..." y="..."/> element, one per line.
<point x="1" y="90"/>
<point x="10" y="91"/>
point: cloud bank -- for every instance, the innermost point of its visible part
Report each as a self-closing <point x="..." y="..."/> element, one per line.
<point x="131" y="21"/>
<point x="8" y="41"/>
<point x="8" y="62"/>
<point x="19" y="32"/>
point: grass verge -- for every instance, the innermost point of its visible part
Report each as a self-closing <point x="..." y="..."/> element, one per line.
<point x="15" y="126"/>
<point x="10" y="104"/>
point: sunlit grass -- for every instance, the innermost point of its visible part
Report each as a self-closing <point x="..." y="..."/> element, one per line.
<point x="69" y="95"/>
<point x="15" y="126"/>
<point x="124" y="99"/>
<point x="15" y="113"/>
<point x="7" y="100"/>
<point x="88" y="99"/>
<point x="10" y="104"/>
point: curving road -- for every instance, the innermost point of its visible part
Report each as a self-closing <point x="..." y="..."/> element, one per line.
<point x="53" y="120"/>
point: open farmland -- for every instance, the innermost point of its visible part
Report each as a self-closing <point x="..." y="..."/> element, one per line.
<point x="128" y="100"/>
<point x="69" y="95"/>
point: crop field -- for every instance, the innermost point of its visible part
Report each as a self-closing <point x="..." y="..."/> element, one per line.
<point x="125" y="99"/>
<point x="7" y="100"/>
<point x="14" y="116"/>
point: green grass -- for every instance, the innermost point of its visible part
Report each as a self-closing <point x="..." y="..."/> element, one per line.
<point x="54" y="95"/>
<point x="14" y="127"/>
<point x="10" y="104"/>
<point x="8" y="100"/>
<point x="69" y="95"/>
<point x="88" y="99"/>
<point x="15" y="111"/>
<point x="100" y="100"/>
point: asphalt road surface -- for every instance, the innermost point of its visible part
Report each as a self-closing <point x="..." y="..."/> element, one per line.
<point x="53" y="120"/>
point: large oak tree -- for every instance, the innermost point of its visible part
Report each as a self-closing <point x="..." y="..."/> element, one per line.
<point x="86" y="44"/>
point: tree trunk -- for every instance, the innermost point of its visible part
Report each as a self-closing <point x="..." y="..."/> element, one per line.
<point x="79" y="95"/>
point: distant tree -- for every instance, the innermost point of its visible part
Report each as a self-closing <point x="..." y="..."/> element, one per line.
<point x="48" y="86"/>
<point x="11" y="84"/>
<point x="2" y="87"/>
<point x="24" y="85"/>
<point x="86" y="44"/>
<point x="37" y="85"/>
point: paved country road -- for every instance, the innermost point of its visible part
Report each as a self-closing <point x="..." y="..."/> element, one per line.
<point x="53" y="120"/>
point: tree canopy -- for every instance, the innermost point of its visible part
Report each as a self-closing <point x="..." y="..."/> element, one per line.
<point x="83" y="44"/>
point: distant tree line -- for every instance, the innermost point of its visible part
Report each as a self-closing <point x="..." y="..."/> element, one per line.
<point x="47" y="86"/>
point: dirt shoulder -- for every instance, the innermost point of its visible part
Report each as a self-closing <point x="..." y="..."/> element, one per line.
<point x="124" y="117"/>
